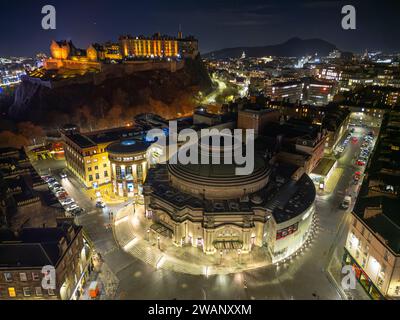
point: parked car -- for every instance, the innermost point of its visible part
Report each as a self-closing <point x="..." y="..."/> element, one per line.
<point x="72" y="207"/>
<point x="63" y="175"/>
<point x="360" y="163"/>
<point x="67" y="202"/>
<point x="55" y="186"/>
<point x="77" y="211"/>
<point x="58" y="189"/>
<point x="61" y="194"/>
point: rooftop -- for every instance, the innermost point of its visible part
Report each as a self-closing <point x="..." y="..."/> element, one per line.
<point x="386" y="224"/>
<point x="128" y="146"/>
<point x="324" y="166"/>
<point x="33" y="247"/>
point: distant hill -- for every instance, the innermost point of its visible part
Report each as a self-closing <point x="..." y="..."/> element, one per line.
<point x="294" y="47"/>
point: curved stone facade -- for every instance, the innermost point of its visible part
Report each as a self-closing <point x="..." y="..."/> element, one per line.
<point x="128" y="167"/>
<point x="218" y="212"/>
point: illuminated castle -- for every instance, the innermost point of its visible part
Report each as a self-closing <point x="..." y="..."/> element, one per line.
<point x="158" y="46"/>
<point x="64" y="55"/>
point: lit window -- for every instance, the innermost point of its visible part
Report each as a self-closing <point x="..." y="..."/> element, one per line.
<point x="50" y="292"/>
<point x="38" y="291"/>
<point x="35" y="276"/>
<point x="27" y="291"/>
<point x="11" y="292"/>
<point x="23" y="277"/>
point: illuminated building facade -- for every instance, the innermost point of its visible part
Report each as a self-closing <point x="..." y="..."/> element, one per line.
<point x="288" y="91"/>
<point x="372" y="247"/>
<point x="372" y="250"/>
<point x="129" y="166"/>
<point x="158" y="46"/>
<point x="190" y="203"/>
<point x="65" y="55"/>
<point x="24" y="256"/>
<point x="87" y="157"/>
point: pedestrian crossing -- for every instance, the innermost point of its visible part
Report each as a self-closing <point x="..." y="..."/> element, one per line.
<point x="145" y="253"/>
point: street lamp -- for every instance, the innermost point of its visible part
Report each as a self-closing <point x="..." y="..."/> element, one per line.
<point x="221" y="253"/>
<point x="148" y="235"/>
<point x="158" y="242"/>
<point x="239" y="253"/>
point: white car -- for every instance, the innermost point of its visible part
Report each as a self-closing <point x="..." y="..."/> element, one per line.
<point x="67" y="202"/>
<point x="58" y="189"/>
<point x="72" y="207"/>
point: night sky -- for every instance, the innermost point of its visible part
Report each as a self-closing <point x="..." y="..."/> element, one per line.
<point x="216" y="23"/>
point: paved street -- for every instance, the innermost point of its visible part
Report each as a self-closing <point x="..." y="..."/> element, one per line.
<point x="304" y="277"/>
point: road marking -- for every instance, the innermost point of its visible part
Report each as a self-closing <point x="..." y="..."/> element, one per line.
<point x="119" y="221"/>
<point x="160" y="262"/>
<point x="130" y="244"/>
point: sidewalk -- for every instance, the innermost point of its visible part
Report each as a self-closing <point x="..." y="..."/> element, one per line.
<point x="334" y="273"/>
<point x="331" y="183"/>
<point x="107" y="283"/>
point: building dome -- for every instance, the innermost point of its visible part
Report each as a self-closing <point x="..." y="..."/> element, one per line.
<point x="126" y="147"/>
<point x="218" y="181"/>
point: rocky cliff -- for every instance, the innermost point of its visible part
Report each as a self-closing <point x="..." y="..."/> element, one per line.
<point x="113" y="102"/>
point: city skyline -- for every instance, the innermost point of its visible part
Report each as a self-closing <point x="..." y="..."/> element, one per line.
<point x="217" y="25"/>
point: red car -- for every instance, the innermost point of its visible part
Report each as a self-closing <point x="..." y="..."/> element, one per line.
<point x="360" y="163"/>
<point x="354" y="139"/>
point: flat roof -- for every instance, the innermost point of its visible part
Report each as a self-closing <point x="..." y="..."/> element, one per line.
<point x="324" y="166"/>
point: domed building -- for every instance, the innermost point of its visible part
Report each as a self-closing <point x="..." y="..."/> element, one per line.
<point x="129" y="166"/>
<point x="210" y="207"/>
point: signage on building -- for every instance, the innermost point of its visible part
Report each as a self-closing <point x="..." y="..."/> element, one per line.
<point x="287" y="231"/>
